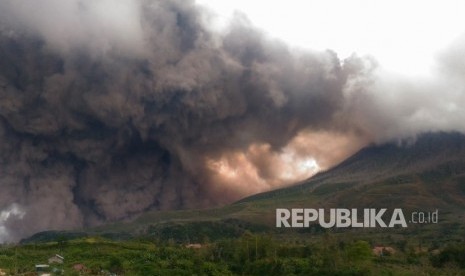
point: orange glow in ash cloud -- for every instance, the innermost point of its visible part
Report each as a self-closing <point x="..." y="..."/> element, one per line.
<point x="260" y="168"/>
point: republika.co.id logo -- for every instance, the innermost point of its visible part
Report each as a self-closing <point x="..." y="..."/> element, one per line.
<point x="345" y="218"/>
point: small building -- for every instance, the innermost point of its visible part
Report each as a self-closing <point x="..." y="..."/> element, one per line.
<point x="57" y="259"/>
<point x="80" y="268"/>
<point x="383" y="250"/>
<point x="194" y="245"/>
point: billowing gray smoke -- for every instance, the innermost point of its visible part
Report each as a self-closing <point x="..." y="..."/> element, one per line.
<point x="103" y="117"/>
<point x="110" y="108"/>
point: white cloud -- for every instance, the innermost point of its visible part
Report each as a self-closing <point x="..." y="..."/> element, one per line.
<point x="403" y="35"/>
<point x="14" y="211"/>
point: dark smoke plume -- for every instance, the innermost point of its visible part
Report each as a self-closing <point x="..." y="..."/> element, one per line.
<point x="100" y="122"/>
<point x="111" y="108"/>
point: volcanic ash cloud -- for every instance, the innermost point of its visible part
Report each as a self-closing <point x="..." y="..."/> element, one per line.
<point x="112" y="108"/>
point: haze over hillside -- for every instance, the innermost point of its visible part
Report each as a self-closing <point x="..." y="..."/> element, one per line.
<point x="423" y="175"/>
<point x="109" y="110"/>
<point x="431" y="166"/>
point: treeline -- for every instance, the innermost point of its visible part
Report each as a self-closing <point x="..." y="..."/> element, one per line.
<point x="249" y="254"/>
<point x="264" y="255"/>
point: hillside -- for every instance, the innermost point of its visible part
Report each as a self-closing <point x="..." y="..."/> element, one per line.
<point x="423" y="175"/>
<point x="433" y="165"/>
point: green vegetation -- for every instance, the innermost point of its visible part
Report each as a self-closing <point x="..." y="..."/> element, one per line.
<point x="241" y="238"/>
<point x="329" y="254"/>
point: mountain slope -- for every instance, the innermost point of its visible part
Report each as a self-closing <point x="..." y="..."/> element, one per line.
<point x="423" y="175"/>
<point x="434" y="159"/>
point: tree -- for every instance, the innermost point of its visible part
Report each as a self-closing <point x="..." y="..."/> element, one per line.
<point x="359" y="252"/>
<point x="115" y="265"/>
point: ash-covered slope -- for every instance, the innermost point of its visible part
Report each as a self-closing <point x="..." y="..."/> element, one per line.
<point x="432" y="165"/>
<point x="423" y="175"/>
<point x="427" y="152"/>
